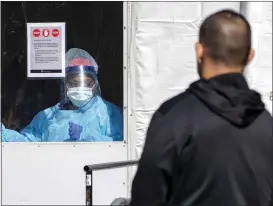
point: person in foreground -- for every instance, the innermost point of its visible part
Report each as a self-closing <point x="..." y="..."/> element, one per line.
<point x="84" y="117"/>
<point x="212" y="144"/>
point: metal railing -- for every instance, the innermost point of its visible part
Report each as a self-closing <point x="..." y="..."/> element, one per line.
<point x="89" y="169"/>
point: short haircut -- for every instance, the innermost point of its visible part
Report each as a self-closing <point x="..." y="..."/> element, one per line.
<point x="226" y="37"/>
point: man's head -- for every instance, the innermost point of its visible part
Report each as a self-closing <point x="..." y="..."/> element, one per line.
<point x="224" y="44"/>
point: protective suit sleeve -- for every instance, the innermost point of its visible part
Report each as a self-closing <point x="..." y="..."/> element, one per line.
<point x="31" y="133"/>
<point x="113" y="128"/>
<point x="154" y="177"/>
<point x="8" y="135"/>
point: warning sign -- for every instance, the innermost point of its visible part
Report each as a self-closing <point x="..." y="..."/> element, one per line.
<point x="46" y="50"/>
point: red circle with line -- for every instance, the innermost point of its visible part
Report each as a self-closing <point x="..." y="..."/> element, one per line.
<point x="55" y="32"/>
<point x="36" y="32"/>
<point x="46" y="33"/>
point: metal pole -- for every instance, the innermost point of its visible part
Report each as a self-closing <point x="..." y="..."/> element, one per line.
<point x="89" y="169"/>
<point x="89" y="188"/>
<point x="243" y="8"/>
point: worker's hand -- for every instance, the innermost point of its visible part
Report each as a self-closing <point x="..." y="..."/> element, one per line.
<point x="75" y="131"/>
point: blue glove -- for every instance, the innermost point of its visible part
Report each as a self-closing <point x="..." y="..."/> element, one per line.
<point x="75" y="131"/>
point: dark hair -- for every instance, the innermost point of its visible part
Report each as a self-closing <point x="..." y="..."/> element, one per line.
<point x="226" y="37"/>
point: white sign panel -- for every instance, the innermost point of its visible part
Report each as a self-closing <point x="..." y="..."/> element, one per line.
<point x="46" y="50"/>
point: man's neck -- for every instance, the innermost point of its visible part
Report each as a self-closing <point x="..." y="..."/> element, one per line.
<point x="213" y="70"/>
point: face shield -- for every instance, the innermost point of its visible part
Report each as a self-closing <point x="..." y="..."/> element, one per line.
<point x="81" y="80"/>
<point x="79" y="76"/>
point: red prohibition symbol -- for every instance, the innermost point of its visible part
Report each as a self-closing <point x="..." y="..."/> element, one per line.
<point x="55" y="32"/>
<point x="36" y="32"/>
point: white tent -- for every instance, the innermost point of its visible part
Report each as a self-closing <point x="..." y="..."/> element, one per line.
<point x="162" y="56"/>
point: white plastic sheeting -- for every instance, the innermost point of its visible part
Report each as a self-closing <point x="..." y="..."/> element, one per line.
<point x="162" y="58"/>
<point x="259" y="15"/>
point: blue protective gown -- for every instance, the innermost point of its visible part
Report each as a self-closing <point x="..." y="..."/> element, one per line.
<point x="101" y="121"/>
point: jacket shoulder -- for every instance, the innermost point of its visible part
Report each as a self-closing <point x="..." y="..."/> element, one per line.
<point x="177" y="101"/>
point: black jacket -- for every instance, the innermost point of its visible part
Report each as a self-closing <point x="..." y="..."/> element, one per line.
<point x="210" y="146"/>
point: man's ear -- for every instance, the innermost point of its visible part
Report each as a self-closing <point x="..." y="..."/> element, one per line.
<point x="199" y="52"/>
<point x="251" y="55"/>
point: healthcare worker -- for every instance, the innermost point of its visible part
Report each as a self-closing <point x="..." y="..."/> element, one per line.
<point x="84" y="116"/>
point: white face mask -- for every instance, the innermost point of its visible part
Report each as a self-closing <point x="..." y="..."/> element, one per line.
<point x="79" y="96"/>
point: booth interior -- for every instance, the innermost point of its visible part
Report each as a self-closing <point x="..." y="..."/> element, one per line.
<point x="96" y="27"/>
